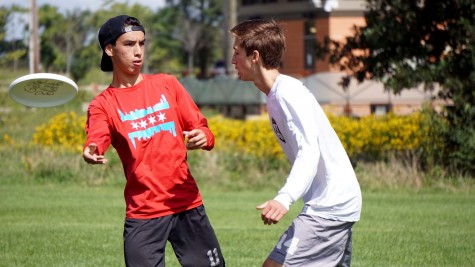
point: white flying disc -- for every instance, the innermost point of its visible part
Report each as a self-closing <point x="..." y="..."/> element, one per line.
<point x="43" y="90"/>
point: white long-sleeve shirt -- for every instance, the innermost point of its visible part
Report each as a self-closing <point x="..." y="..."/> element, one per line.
<point x="321" y="173"/>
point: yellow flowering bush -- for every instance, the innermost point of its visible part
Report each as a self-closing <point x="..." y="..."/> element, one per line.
<point x="252" y="137"/>
<point x="374" y="137"/>
<point x="370" y="138"/>
<point x="7" y="141"/>
<point x="63" y="131"/>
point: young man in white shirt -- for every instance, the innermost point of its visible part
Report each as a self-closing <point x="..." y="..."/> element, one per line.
<point x="321" y="172"/>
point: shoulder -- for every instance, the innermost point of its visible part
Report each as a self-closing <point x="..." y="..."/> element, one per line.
<point x="289" y="87"/>
<point x="164" y="83"/>
<point x="290" y="81"/>
<point x="161" y="77"/>
<point x="102" y="97"/>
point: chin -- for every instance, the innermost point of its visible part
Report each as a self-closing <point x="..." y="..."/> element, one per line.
<point x="240" y="77"/>
<point x="135" y="71"/>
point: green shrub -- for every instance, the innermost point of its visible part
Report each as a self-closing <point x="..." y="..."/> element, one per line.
<point x="247" y="155"/>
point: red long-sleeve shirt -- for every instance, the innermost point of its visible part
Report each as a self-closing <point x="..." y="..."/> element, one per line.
<point x="144" y="123"/>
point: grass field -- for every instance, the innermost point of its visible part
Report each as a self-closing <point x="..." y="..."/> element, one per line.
<point x="54" y="211"/>
<point x="73" y="225"/>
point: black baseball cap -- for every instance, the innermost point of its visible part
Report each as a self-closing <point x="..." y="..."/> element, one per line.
<point x="113" y="29"/>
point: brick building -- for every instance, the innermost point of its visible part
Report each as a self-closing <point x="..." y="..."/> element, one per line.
<point x="306" y="21"/>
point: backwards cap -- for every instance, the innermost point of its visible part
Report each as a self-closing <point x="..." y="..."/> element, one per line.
<point x="110" y="31"/>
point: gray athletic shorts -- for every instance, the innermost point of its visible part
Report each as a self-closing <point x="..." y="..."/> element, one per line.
<point x="314" y="241"/>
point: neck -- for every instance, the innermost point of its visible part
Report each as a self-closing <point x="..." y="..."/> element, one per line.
<point x="266" y="79"/>
<point x="125" y="81"/>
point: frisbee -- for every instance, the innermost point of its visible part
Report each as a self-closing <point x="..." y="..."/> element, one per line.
<point x="42" y="90"/>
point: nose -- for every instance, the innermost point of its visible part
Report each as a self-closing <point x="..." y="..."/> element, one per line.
<point x="138" y="50"/>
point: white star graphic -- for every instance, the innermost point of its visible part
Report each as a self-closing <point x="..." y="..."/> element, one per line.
<point x="161" y="117"/>
<point x="143" y="124"/>
<point x="134" y="125"/>
<point x="152" y="120"/>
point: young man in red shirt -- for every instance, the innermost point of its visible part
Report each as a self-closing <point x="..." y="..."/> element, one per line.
<point x="145" y="117"/>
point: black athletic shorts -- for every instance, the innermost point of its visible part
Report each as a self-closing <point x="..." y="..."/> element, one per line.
<point x="190" y="234"/>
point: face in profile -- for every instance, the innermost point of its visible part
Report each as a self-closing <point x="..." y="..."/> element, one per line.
<point x="242" y="63"/>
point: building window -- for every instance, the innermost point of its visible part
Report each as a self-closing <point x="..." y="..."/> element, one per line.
<point x="309" y="43"/>
<point x="380" y="109"/>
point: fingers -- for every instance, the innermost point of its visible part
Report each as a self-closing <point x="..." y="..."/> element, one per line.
<point x="271" y="212"/>
<point x="272" y="217"/>
<point x="90" y="155"/>
<point x="264" y="213"/>
<point x="195" y="139"/>
<point x="96" y="159"/>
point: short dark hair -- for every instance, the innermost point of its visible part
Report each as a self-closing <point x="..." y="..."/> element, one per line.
<point x="265" y="36"/>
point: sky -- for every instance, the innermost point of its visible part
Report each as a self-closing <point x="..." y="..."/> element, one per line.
<point x="64" y="5"/>
<point x="17" y="22"/>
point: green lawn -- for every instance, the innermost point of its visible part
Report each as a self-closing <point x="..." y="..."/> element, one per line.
<point x="70" y="225"/>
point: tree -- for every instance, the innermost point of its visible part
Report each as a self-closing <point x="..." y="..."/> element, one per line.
<point x="212" y="19"/>
<point x="197" y="26"/>
<point x="4" y="13"/>
<point x="165" y="52"/>
<point x="75" y="34"/>
<point x="190" y="35"/>
<point x="11" y="50"/>
<point x="408" y="43"/>
<point x="51" y="39"/>
<point x="62" y="36"/>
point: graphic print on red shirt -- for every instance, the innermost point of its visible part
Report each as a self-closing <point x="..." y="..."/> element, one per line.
<point x="142" y="121"/>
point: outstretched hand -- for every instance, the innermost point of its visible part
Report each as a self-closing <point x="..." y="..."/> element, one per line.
<point x="272" y="211"/>
<point x="91" y="156"/>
